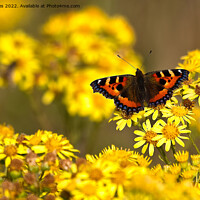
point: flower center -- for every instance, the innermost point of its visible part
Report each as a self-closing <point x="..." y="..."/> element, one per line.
<point x="197" y="90"/>
<point x="96" y="174"/>
<point x="10" y="150"/>
<point x="179" y="111"/>
<point x="53" y="144"/>
<point x="170" y="131"/>
<point x="188" y="104"/>
<point x="148" y="137"/>
<point x="119" y="177"/>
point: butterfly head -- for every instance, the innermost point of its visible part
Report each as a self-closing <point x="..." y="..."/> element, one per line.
<point x="139" y="73"/>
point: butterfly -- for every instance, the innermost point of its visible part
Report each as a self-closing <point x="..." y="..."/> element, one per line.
<point x="131" y="93"/>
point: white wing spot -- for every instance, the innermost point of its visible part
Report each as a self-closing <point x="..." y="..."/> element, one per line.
<point x="99" y="81"/>
<point x="180" y="71"/>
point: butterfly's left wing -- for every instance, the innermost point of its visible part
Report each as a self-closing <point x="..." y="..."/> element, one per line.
<point x="160" y="85"/>
<point x="123" y="89"/>
<point x="111" y="87"/>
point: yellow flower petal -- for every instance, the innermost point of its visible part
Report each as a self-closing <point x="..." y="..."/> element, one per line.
<point x="7" y="161"/>
<point x="138" y="139"/>
<point x="2" y="156"/>
<point x="161" y="142"/>
<point x="144" y="126"/>
<point x="121" y="124"/>
<point x="148" y="124"/>
<point x="137" y="132"/>
<point x="149" y="112"/>
<point x="129" y="123"/>
<point x="167" y="145"/>
<point x="155" y="115"/>
<point x="151" y="149"/>
<point x="158" y="137"/>
<point x="39" y="148"/>
<point x="179" y="141"/>
<point x="139" y="144"/>
<point x="144" y="148"/>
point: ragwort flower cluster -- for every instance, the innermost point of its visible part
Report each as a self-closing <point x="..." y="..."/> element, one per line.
<point x="69" y="58"/>
<point x="44" y="166"/>
<point x="30" y="164"/>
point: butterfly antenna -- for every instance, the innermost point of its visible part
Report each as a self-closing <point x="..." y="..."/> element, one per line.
<point x="146" y="58"/>
<point x="126" y="61"/>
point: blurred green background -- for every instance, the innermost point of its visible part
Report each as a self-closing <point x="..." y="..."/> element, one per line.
<point x="169" y="28"/>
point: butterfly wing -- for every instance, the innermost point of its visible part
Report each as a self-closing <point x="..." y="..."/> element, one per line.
<point x="160" y="85"/>
<point x="123" y="89"/>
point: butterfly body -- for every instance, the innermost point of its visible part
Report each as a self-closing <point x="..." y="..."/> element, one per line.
<point x="131" y="93"/>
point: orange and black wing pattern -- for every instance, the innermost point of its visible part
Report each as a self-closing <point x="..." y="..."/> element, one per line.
<point x="131" y="92"/>
<point x="111" y="87"/>
<point x="123" y="89"/>
<point x="160" y="85"/>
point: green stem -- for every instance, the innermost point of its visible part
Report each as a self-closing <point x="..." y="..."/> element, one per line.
<point x="193" y="143"/>
<point x="173" y="149"/>
<point x="163" y="155"/>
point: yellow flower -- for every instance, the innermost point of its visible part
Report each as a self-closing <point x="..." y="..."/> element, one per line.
<point x="50" y="142"/>
<point x="157" y="170"/>
<point x="177" y="113"/>
<point x="171" y="133"/>
<point x="114" y="154"/>
<point x="87" y="190"/>
<point x="182" y="157"/>
<point x="79" y="98"/>
<point x="175" y="169"/>
<point x="152" y="111"/>
<point x="10" y="150"/>
<point x="189" y="174"/>
<point x="191" y="62"/>
<point x="123" y="120"/>
<point x="146" y="137"/>
<point x="18" y="59"/>
<point x="54" y="88"/>
<point x="93" y="49"/>
<point x="192" y="93"/>
<point x="6" y="131"/>
<point x="126" y="33"/>
<point x="195" y="159"/>
<point x="113" y="169"/>
<point x="120" y="178"/>
<point x="143" y="161"/>
<point x="156" y="111"/>
<point x="76" y="22"/>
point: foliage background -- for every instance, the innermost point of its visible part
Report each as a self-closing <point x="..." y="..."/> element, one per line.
<point x="170" y="28"/>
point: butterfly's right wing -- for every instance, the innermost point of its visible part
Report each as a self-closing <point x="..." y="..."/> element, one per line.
<point x="160" y="84"/>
